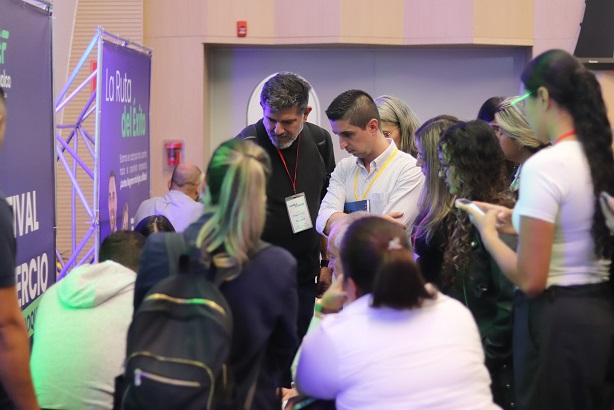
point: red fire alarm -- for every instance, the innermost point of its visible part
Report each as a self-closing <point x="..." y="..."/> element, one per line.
<point x="173" y="152"/>
<point x="241" y="28"/>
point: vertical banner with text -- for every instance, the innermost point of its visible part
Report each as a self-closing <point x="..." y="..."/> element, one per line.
<point x="27" y="156"/>
<point x="124" y="136"/>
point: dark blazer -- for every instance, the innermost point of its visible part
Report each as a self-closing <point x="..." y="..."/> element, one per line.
<point x="264" y="303"/>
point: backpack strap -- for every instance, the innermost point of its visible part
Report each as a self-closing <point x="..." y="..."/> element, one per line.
<point x="178" y="253"/>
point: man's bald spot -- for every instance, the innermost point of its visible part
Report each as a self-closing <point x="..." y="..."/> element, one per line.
<point x="184" y="174"/>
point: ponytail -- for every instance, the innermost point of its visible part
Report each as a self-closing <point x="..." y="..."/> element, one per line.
<point x="236" y="199"/>
<point x="577" y="90"/>
<point x="594" y="133"/>
<point x="376" y="255"/>
<point x="398" y="283"/>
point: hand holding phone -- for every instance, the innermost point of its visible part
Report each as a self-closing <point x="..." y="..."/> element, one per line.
<point x="471" y="205"/>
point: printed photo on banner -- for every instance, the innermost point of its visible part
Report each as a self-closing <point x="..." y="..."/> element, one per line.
<point x="124" y="136"/>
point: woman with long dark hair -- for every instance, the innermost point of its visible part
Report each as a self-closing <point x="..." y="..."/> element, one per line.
<point x="473" y="166"/>
<point x="564" y="319"/>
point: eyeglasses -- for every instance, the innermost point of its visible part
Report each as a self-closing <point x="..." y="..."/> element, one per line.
<point x="522" y="98"/>
<point x="388" y="133"/>
<point x="515" y="104"/>
<point x="443" y="170"/>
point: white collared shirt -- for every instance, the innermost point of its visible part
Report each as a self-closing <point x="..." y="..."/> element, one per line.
<point x="180" y="209"/>
<point x="396" y="189"/>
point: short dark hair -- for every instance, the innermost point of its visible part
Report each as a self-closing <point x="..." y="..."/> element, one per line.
<point x="285" y="90"/>
<point x="154" y="223"/>
<point x="2" y="95"/>
<point x="123" y="247"/>
<point x="376" y="255"/>
<point x="355" y="106"/>
<point x="489" y="109"/>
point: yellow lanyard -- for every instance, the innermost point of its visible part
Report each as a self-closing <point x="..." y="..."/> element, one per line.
<point x="374" y="178"/>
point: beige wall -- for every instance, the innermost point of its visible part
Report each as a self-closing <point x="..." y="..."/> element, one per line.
<point x="179" y="31"/>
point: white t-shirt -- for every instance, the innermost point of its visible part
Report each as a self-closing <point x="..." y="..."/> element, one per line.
<point x="382" y="358"/>
<point x="557" y="188"/>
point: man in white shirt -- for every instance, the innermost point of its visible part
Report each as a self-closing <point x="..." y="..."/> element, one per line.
<point x="180" y="205"/>
<point x="381" y="179"/>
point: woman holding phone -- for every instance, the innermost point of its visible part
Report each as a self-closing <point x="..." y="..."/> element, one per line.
<point x="468" y="273"/>
<point x="564" y="316"/>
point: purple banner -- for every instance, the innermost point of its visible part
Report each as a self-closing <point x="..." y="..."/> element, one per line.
<point x="27" y="157"/>
<point x="124" y="82"/>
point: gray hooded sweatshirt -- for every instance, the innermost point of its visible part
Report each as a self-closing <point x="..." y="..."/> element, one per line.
<point x="80" y="337"/>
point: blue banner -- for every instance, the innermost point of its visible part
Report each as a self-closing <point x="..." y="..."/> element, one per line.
<point x="27" y="157"/>
<point x="124" y="81"/>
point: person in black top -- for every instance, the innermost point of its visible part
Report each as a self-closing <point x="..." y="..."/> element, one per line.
<point x="15" y="379"/>
<point x="302" y="160"/>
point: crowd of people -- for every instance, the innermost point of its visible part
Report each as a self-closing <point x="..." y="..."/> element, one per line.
<point x="446" y="264"/>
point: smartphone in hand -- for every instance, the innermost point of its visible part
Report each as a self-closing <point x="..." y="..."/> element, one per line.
<point x="471" y="205"/>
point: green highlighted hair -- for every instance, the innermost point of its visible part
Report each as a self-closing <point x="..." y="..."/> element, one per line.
<point x="236" y="198"/>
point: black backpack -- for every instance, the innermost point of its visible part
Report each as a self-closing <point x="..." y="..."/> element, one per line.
<point x="180" y="338"/>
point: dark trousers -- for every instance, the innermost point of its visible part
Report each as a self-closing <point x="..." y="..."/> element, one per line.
<point x="563" y="348"/>
<point x="306" y="300"/>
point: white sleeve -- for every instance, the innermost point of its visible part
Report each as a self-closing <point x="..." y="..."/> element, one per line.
<point x="315" y="322"/>
<point x="317" y="374"/>
<point x="334" y="200"/>
<point x="404" y="197"/>
<point x="540" y="191"/>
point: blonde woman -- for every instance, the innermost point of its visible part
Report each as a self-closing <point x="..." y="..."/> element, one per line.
<point x="429" y="235"/>
<point x="516" y="138"/>
<point x="398" y="122"/>
<point x="261" y="291"/>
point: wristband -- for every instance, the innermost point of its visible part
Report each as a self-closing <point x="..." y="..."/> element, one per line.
<point x="324" y="263"/>
<point x="321" y="310"/>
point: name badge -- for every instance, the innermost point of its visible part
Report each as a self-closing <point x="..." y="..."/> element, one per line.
<point x="298" y="213"/>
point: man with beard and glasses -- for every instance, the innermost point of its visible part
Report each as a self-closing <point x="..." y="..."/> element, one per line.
<point x="302" y="160"/>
